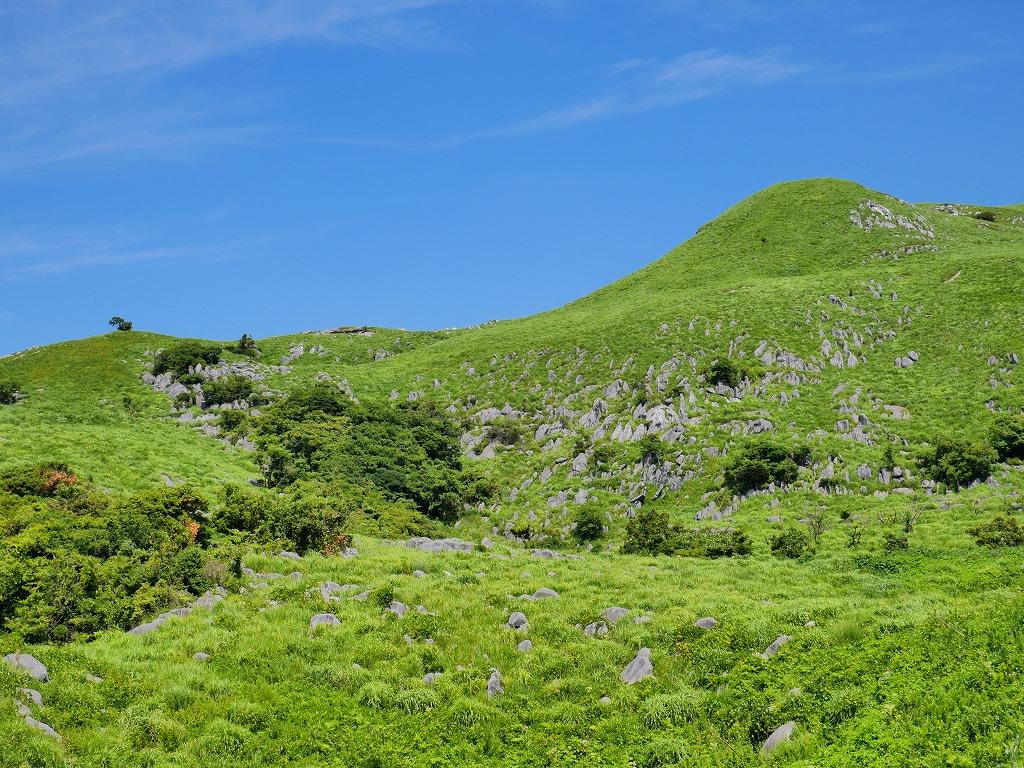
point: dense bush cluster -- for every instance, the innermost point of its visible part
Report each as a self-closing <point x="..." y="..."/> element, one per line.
<point x="1000" y="531"/>
<point x="407" y="452"/>
<point x="649" y="532"/>
<point x="789" y="543"/>
<point x="178" y="357"/>
<point x="957" y="462"/>
<point x="762" y="462"/>
<point x="8" y="393"/>
<point x="74" y="561"/>
<point x="228" y="389"/>
<point x="1007" y="436"/>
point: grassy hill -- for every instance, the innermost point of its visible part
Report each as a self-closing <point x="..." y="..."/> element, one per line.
<point x="860" y="326"/>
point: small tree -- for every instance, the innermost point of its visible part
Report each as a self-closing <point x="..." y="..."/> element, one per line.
<point x="120" y="323"/>
<point x="815" y="522"/>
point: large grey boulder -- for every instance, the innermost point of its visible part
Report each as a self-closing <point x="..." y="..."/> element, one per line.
<point x="778" y="736"/>
<point x="29" y="664"/>
<point x="518" y="620"/>
<point x="324" y="620"/>
<point x="639" y="668"/>
<point x="772" y="649"/>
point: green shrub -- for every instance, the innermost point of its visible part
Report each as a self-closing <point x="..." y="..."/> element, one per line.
<point x="179" y="356"/>
<point x="647" y="533"/>
<point x="652" y="449"/>
<point x="711" y="542"/>
<point x="245" y="346"/>
<point x="789" y="543"/>
<point x="761" y="462"/>
<point x="725" y="371"/>
<point x="37" y="479"/>
<point x="1000" y="531"/>
<point x="504" y="431"/>
<point x="650" y="533"/>
<point x="589" y="523"/>
<point x="603" y="454"/>
<point x="227" y="389"/>
<point x="985" y="215"/>
<point x="1007" y="436"/>
<point x="894" y="542"/>
<point x="8" y="392"/>
<point x="958" y="462"/>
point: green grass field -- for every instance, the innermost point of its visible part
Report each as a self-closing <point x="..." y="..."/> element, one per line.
<point x="913" y="656"/>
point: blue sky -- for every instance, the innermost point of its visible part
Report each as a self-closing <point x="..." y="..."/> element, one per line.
<point x="215" y="167"/>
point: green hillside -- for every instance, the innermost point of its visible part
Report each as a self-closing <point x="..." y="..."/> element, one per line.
<point x="822" y="362"/>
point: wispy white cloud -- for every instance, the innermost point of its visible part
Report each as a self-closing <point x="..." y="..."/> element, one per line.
<point x="29" y="256"/>
<point x="78" y="79"/>
<point x="638" y="85"/>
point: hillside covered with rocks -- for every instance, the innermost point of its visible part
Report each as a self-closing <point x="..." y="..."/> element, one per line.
<point x="749" y="503"/>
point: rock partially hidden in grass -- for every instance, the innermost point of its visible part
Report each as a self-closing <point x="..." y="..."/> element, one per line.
<point x="772" y="649"/>
<point x="31" y="722"/>
<point x="639" y="668"/>
<point x="525" y="646"/>
<point x="778" y="736"/>
<point x="432" y="677"/>
<point x="201" y="656"/>
<point x="324" y="620"/>
<point x="596" y="629"/>
<point x="30" y="664"/>
<point x="518" y="620"/>
<point x="707" y="622"/>
<point x="32" y="695"/>
<point x="398" y="608"/>
<point x="494" y="686"/>
<point x="544" y="593"/>
<point x="290" y="555"/>
<point x="612" y="615"/>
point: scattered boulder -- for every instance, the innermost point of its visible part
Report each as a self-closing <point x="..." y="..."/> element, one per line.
<point x="432" y="677"/>
<point x="494" y="685"/>
<point x="639" y="668"/>
<point x="398" y="608"/>
<point x="29" y="664"/>
<point x="518" y="620"/>
<point x="596" y="629"/>
<point x="324" y="620"/>
<point x="612" y="615"/>
<point x="525" y="646"/>
<point x="201" y="656"/>
<point x="31" y="722"/>
<point x="778" y="736"/>
<point x="707" y="622"/>
<point x="772" y="649"/>
<point x="32" y="695"/>
<point x="290" y="555"/>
